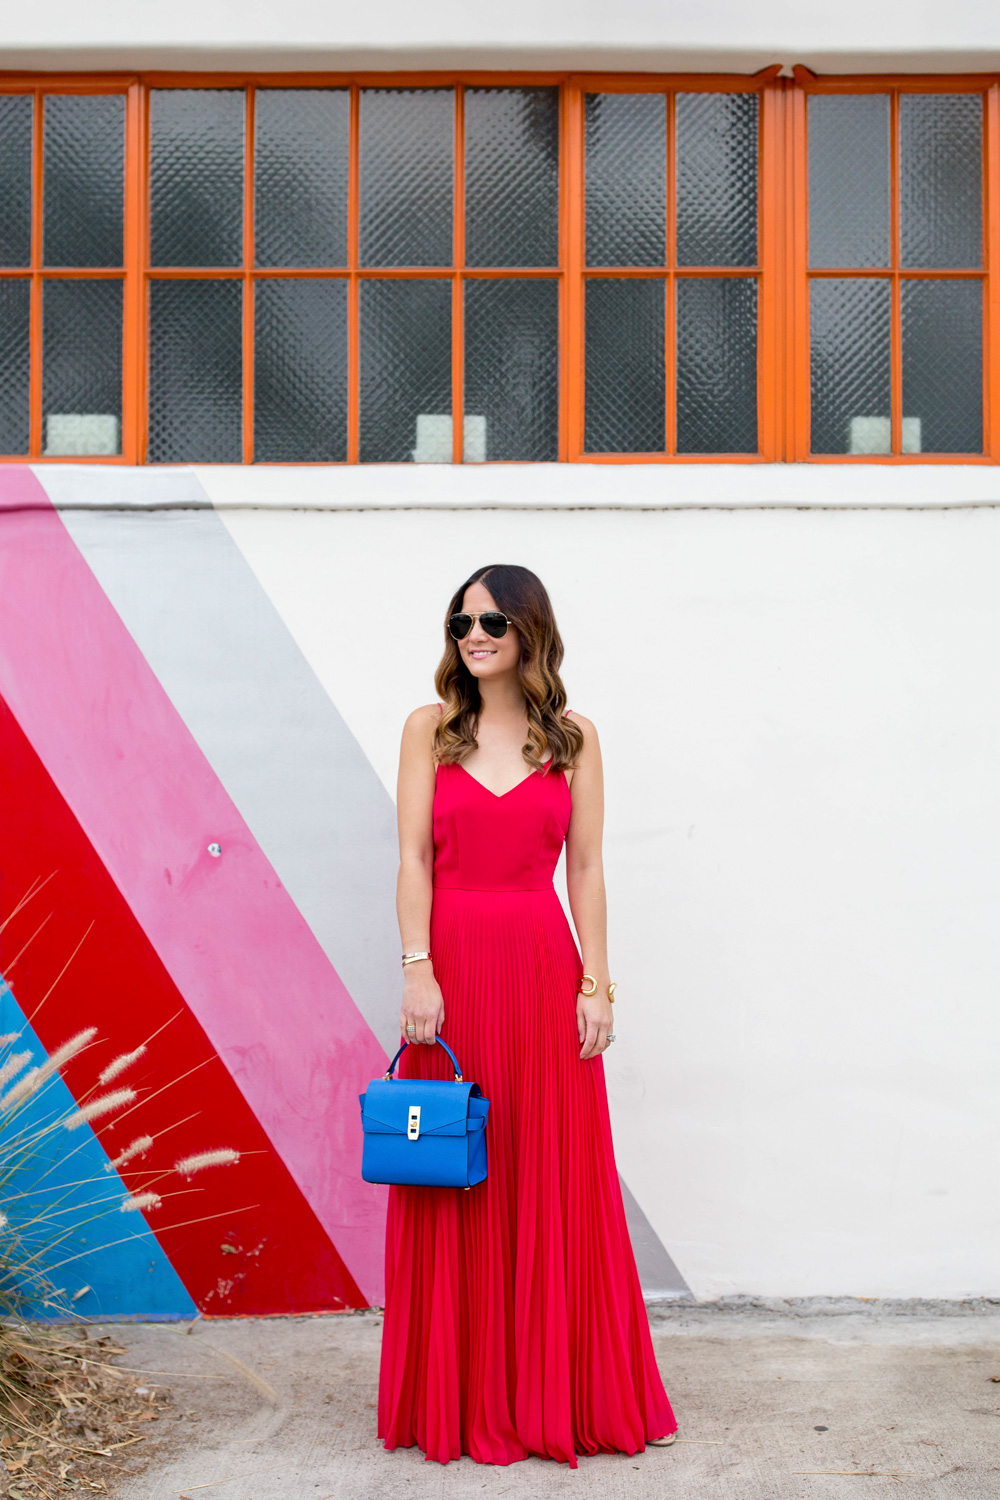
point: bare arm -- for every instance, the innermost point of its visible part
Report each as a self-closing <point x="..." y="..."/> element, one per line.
<point x="585" y="884"/>
<point x="422" y="1005"/>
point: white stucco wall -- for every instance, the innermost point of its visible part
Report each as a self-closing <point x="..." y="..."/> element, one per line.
<point x="792" y="671"/>
<point x="795" y="693"/>
<point x="801" y="740"/>
<point x="636" y="34"/>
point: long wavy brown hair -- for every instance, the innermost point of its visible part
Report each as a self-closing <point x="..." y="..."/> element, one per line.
<point x="523" y="599"/>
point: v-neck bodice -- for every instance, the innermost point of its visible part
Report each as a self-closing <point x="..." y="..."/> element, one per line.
<point x="489" y="842"/>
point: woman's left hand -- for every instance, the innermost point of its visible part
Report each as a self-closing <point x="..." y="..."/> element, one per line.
<point x="594" y="1019"/>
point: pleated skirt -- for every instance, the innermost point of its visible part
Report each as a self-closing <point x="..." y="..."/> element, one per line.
<point x="514" y="1321"/>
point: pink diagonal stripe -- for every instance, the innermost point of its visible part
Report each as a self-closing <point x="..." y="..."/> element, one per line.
<point x="224" y="927"/>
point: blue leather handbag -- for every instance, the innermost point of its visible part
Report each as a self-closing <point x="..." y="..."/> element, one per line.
<point x="423" y="1132"/>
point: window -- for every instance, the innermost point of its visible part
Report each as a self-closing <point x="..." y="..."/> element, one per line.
<point x="896" y="271"/>
<point x="371" y="261"/>
<point x="62" y="288"/>
<point x="671" y="289"/>
<point x="500" y="268"/>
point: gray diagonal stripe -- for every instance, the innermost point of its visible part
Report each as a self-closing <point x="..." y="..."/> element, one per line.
<point x="658" y="1275"/>
<point x="260" y="715"/>
<point x="269" y="730"/>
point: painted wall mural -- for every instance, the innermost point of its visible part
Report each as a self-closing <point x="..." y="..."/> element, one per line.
<point x="801" y="833"/>
<point x="233" y="910"/>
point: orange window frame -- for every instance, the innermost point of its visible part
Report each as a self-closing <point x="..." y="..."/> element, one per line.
<point x="37" y="86"/>
<point x="797" y="403"/>
<point x="782" y="271"/>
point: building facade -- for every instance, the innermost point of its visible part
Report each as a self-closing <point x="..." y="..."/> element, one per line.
<point x="307" y="312"/>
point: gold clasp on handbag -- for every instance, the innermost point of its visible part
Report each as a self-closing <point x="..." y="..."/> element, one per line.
<point x="413" y="1123"/>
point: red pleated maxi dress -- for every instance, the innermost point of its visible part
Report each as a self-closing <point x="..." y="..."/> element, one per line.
<point x="514" y="1321"/>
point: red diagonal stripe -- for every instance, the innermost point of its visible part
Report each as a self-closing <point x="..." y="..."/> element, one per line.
<point x="283" y="1260"/>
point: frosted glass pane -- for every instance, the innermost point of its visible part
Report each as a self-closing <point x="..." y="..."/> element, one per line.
<point x="512" y="368"/>
<point x="16" y="113"/>
<point x="300" y="371"/>
<point x="84" y="179"/>
<point x="407" y="176"/>
<point x="717" y="365"/>
<point x="943" y="363"/>
<point x="512" y="177"/>
<point x="300" y="176"/>
<point x="82" y="366"/>
<point x="626" y="179"/>
<point x="405" y="371"/>
<point x="196" y="176"/>
<point x="15" y="297"/>
<point x="195" y="372"/>
<point x="850" y="362"/>
<point x="626" y="391"/>
<point x="849" y="180"/>
<point x="717" y="179"/>
<point x="941" y="179"/>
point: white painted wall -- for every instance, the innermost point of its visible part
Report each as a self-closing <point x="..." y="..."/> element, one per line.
<point x="641" y="34"/>
<point x="797" y="703"/>
<point x="801" y="732"/>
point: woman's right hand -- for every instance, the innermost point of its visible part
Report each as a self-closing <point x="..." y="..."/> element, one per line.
<point x="423" y="1003"/>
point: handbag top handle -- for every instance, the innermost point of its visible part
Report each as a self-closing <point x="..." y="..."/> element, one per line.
<point x="454" y="1061"/>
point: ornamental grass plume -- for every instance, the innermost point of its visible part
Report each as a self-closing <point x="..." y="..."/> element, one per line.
<point x="104" y="1104"/>
<point x="119" y="1064"/>
<point x="138" y="1147"/>
<point x="62" y="1055"/>
<point x="223" y="1157"/>
<point x="24" y="1087"/>
<point x="14" y="1063"/>
<point x="48" y="1210"/>
<point x="139" y="1201"/>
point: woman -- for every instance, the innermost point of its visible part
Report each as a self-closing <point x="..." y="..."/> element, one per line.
<point x="514" y="1322"/>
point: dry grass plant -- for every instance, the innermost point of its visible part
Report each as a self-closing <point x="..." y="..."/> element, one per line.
<point x="67" y="1414"/>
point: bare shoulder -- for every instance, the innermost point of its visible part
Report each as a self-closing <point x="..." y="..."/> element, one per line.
<point x="423" y="719"/>
<point x="586" y="725"/>
<point x="421" y="724"/>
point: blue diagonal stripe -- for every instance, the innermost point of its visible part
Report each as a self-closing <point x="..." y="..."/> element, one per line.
<point x="67" y="1248"/>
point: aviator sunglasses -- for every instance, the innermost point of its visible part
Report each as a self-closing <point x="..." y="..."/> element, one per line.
<point x="493" y="622"/>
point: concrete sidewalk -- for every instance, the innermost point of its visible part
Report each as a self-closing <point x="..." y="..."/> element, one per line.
<point x="768" y="1397"/>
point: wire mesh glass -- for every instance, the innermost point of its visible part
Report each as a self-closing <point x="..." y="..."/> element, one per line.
<point x="626" y="179"/>
<point x="195" y="371"/>
<point x="301" y="149"/>
<point x="849" y="191"/>
<point x="850" y="363"/>
<point x="942" y="325"/>
<point x="407" y="176"/>
<point x="717" y="364"/>
<point x="84" y="179"/>
<point x="405" y="384"/>
<point x="16" y="116"/>
<point x="196" y="176"/>
<point x="625" y="401"/>
<point x="717" y="148"/>
<point x="512" y="177"/>
<point x="300" y="371"/>
<point x="82" y="367"/>
<point x="941" y="179"/>
<point x="15" y="365"/>
<point x="511" y="370"/>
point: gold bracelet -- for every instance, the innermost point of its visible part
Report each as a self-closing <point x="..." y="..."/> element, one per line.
<point x="413" y="958"/>
<point x="593" y="988"/>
